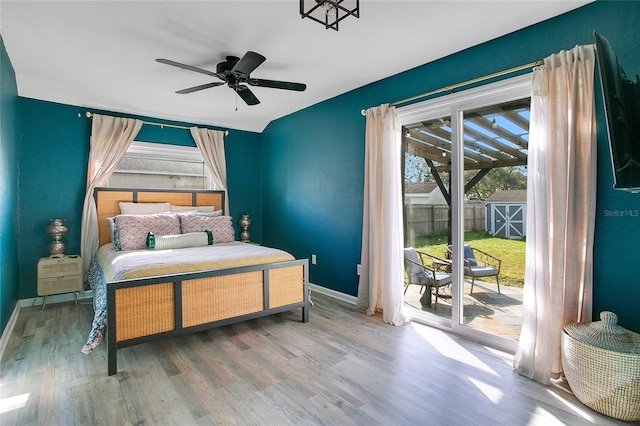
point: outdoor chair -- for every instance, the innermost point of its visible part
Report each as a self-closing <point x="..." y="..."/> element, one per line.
<point x="427" y="271"/>
<point x="478" y="263"/>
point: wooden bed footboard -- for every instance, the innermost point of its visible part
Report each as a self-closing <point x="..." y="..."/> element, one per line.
<point x="148" y="309"/>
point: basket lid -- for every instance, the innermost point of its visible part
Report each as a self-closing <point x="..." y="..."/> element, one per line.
<point x="605" y="334"/>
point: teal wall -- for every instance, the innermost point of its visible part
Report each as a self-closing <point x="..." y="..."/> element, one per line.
<point x="8" y="188"/>
<point x="313" y="169"/>
<point x="54" y="149"/>
<point x="301" y="180"/>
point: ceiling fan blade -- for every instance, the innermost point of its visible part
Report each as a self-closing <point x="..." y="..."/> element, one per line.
<point x="249" y="62"/>
<point x="187" y="67"/>
<point x="196" y="88"/>
<point x="274" y="84"/>
<point x="246" y="94"/>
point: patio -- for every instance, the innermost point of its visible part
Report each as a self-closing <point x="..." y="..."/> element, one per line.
<point x="485" y="309"/>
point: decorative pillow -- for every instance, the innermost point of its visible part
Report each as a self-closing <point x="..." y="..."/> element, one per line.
<point x="221" y="226"/>
<point x="130" y="231"/>
<point x="201" y="209"/>
<point x="144" y="208"/>
<point x="192" y="239"/>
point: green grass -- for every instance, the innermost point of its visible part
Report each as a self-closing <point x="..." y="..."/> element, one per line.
<point x="511" y="252"/>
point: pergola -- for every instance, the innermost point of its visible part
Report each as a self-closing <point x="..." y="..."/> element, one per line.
<point x="495" y="136"/>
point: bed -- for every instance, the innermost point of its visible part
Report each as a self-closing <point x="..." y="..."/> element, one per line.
<point x="144" y="294"/>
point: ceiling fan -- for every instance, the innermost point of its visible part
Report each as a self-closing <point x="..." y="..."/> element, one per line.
<point x="235" y="73"/>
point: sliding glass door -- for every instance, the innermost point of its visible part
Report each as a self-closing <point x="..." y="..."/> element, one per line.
<point x="465" y="158"/>
<point x="427" y="211"/>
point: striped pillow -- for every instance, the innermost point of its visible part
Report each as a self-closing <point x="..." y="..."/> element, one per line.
<point x="192" y="239"/>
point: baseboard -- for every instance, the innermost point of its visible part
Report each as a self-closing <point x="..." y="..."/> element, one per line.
<point x="315" y="288"/>
<point x="6" y="334"/>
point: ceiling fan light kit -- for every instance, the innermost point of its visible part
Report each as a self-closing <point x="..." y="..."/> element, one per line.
<point x="236" y="72"/>
<point x="329" y="12"/>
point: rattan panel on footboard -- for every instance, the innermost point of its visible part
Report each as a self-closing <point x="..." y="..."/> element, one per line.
<point x="143" y="311"/>
<point x="286" y="286"/>
<point x="214" y="298"/>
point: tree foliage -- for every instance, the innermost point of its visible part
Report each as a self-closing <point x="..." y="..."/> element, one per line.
<point x="416" y="169"/>
<point x="501" y="178"/>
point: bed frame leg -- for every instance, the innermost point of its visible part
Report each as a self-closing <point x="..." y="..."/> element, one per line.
<point x="112" y="357"/>
<point x="307" y="303"/>
<point x="307" y="293"/>
<point x="112" y="361"/>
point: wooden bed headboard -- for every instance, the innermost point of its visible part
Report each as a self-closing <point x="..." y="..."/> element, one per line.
<point x="107" y="200"/>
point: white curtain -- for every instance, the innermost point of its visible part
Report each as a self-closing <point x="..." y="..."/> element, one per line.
<point x="211" y="145"/>
<point x="381" y="273"/>
<point x="561" y="198"/>
<point x="110" y="138"/>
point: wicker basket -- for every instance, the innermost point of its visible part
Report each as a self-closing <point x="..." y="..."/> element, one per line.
<point x="601" y="361"/>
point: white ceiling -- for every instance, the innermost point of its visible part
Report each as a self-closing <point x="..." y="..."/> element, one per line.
<point x="101" y="54"/>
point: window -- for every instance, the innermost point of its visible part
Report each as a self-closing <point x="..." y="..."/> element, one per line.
<point x="161" y="166"/>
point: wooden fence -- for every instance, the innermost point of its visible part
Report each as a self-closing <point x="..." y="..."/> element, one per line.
<point x="423" y="219"/>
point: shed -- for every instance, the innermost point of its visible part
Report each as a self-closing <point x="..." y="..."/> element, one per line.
<point x="506" y="213"/>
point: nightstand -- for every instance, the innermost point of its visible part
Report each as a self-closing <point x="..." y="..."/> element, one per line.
<point x="59" y="274"/>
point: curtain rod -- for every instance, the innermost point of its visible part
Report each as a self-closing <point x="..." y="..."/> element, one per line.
<point x="464" y="83"/>
<point x="173" y="126"/>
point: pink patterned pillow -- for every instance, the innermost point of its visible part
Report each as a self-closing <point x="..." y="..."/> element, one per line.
<point x="220" y="226"/>
<point x="130" y="231"/>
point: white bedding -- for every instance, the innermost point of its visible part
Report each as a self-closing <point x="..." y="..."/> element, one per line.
<point x="120" y="265"/>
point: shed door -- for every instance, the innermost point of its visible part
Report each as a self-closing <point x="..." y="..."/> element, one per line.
<point x="508" y="220"/>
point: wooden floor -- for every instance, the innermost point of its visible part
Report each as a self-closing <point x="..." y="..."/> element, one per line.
<point x="341" y="368"/>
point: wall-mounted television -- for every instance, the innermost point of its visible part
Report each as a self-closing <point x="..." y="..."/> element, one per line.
<point x="622" y="106"/>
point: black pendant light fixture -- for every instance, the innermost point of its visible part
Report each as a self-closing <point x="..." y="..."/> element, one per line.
<point x="329" y="12"/>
